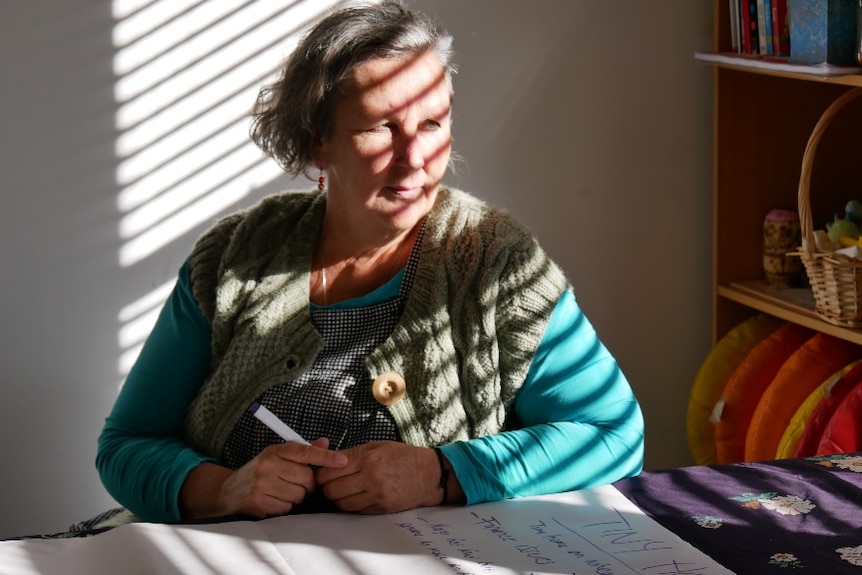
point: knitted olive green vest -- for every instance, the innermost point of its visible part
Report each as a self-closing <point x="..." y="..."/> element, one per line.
<point x="482" y="296"/>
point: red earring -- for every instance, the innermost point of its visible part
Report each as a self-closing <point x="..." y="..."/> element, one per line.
<point x="321" y="181"/>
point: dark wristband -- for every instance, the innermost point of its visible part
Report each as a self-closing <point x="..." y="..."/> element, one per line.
<point x="444" y="475"/>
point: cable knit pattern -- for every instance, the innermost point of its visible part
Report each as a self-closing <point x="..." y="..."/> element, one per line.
<point x="483" y="294"/>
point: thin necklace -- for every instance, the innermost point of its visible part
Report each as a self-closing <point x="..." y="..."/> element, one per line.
<point x="323" y="282"/>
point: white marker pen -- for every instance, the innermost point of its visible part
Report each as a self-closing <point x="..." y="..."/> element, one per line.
<point x="270" y="420"/>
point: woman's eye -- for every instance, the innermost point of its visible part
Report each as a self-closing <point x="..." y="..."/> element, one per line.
<point x="383" y="128"/>
<point x="430" y="125"/>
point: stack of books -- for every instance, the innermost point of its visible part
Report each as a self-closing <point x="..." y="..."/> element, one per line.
<point x="760" y="27"/>
<point x="761" y="38"/>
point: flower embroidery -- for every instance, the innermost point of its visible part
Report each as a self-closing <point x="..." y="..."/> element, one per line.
<point x="708" y="522"/>
<point x="852" y="555"/>
<point x="783" y="504"/>
<point x="751" y="500"/>
<point x="785" y="560"/>
<point x="788" y="505"/>
<point x="851" y="462"/>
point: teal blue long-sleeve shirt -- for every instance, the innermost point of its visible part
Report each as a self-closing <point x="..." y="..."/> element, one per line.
<point x="576" y="420"/>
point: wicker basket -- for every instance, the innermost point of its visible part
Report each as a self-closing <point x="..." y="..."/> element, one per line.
<point x="836" y="280"/>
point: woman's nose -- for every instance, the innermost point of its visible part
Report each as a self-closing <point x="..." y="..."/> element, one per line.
<point x="411" y="152"/>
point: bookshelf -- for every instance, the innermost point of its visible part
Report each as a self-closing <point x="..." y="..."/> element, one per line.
<point x="761" y="124"/>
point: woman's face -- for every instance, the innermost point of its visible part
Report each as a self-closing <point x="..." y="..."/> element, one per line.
<point x="390" y="143"/>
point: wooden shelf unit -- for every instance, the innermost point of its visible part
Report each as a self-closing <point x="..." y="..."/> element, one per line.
<point x="762" y="122"/>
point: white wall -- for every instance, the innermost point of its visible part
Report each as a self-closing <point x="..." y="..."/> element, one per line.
<point x="588" y="120"/>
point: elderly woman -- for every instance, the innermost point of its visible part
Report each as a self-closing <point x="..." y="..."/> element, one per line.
<point x="420" y="339"/>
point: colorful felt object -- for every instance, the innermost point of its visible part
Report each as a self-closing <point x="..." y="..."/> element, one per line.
<point x="824" y="400"/>
<point x="796" y="427"/>
<point x="843" y="434"/>
<point x="807" y="368"/>
<point x="714" y="372"/>
<point x="746" y="386"/>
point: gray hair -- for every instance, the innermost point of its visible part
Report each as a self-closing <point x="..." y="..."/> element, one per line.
<point x="292" y="114"/>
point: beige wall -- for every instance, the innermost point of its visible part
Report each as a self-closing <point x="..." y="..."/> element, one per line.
<point x="588" y="120"/>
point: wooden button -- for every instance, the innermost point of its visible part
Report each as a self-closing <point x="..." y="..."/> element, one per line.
<point x="388" y="388"/>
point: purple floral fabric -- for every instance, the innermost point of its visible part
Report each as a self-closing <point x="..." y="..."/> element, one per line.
<point x="802" y="515"/>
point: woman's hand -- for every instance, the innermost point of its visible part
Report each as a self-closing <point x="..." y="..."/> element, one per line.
<point x="383" y="477"/>
<point x="278" y="478"/>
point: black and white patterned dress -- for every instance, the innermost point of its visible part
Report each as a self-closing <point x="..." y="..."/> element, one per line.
<point x="333" y="398"/>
